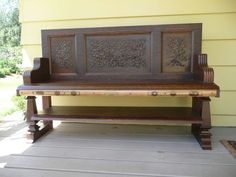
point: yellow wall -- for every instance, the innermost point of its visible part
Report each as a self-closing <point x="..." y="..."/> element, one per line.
<point x="219" y="38"/>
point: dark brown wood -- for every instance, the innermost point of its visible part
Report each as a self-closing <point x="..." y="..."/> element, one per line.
<point x="203" y="72"/>
<point x="201" y="131"/>
<point x="34" y="130"/>
<point x="47" y="103"/>
<point x="158" y="60"/>
<point x="39" y="73"/>
<point x="108" y="54"/>
<point x="171" y="114"/>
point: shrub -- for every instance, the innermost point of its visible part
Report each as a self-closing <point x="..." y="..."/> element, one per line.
<point x="10" y="59"/>
<point x="2" y="73"/>
<point x="19" y="102"/>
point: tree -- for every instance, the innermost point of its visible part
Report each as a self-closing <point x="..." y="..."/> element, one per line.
<point x="10" y="28"/>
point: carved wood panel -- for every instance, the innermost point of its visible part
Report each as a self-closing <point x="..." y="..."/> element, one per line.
<point x="62" y="54"/>
<point x="176" y="51"/>
<point x="123" y="54"/>
<point x="118" y="54"/>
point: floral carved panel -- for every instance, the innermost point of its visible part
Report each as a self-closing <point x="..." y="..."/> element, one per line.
<point x="62" y="54"/>
<point x="118" y="53"/>
<point x="176" y="52"/>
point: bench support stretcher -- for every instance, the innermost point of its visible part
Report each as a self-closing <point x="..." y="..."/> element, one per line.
<point x="200" y="105"/>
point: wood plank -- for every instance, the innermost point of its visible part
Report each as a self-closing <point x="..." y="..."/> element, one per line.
<point x="74" y="127"/>
<point x="116" y="92"/>
<point x="78" y="9"/>
<point x="124" y="115"/>
<point x="24" y="172"/>
<point x="127" y="155"/>
<point x="135" y="132"/>
<point x="93" y="135"/>
<point x="122" y="167"/>
<point x="8" y="128"/>
<point x="210" y="23"/>
<point x="126" y="144"/>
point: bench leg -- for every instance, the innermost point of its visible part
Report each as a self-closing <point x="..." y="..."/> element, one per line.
<point x="34" y="130"/>
<point x="47" y="102"/>
<point x="201" y="131"/>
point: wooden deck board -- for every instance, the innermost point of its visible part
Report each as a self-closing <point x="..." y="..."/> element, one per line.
<point x="97" y="150"/>
<point x="18" y="172"/>
<point x="122" y="167"/>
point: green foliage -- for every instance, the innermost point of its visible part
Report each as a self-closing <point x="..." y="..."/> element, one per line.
<point x="4" y="72"/>
<point x="19" y="105"/>
<point x="10" y="60"/>
<point x="19" y="102"/>
<point x="10" y="28"/>
<point x="10" y="50"/>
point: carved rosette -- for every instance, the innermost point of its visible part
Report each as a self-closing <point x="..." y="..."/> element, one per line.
<point x="118" y="54"/>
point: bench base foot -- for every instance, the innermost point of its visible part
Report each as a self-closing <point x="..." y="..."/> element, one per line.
<point x="203" y="136"/>
<point x="35" y="132"/>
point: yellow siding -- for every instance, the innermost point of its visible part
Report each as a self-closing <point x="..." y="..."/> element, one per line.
<point x="215" y="26"/>
<point x="45" y="10"/>
<point x="219" y="38"/>
<point x="225" y="55"/>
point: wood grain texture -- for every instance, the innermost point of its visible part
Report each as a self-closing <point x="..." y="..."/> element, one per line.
<point x="135" y="115"/>
<point x="191" y="93"/>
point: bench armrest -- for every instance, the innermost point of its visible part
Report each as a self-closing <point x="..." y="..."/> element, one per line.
<point x="39" y="73"/>
<point x="202" y="71"/>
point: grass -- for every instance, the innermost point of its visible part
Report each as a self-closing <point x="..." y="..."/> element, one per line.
<point x="9" y="103"/>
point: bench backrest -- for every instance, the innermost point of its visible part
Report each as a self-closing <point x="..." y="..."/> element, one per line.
<point x="123" y="54"/>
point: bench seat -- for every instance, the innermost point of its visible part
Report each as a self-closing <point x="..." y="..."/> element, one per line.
<point x="72" y="88"/>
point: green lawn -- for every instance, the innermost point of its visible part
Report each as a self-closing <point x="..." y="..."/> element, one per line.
<point x="8" y="87"/>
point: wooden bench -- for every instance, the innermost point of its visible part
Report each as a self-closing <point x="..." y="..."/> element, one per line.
<point x="149" y="61"/>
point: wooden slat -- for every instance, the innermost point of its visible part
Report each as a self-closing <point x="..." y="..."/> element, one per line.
<point x="79" y="9"/>
<point x="72" y="88"/>
<point x="123" y="115"/>
<point x="65" y="92"/>
<point x="134" y="156"/>
<point x="26" y="172"/>
<point x="190" y="146"/>
<point x="123" y="167"/>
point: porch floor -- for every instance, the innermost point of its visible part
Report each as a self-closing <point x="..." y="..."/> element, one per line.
<point x="97" y="150"/>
